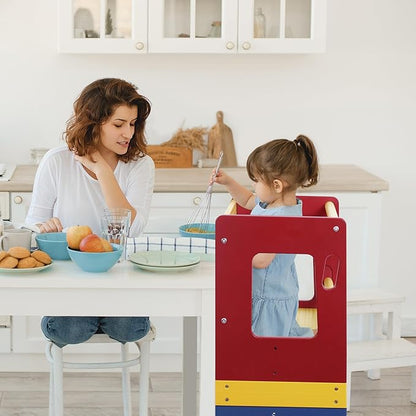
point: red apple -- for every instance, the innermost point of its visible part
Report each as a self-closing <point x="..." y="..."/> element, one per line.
<point x="75" y="234"/>
<point x="91" y="243"/>
<point x="106" y="245"/>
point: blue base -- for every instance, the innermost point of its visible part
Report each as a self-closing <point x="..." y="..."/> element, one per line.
<point x="278" y="411"/>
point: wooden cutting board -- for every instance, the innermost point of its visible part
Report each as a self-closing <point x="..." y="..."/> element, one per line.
<point x="220" y="137"/>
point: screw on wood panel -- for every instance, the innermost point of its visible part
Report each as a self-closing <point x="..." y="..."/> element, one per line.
<point x="336" y="228"/>
<point x="224" y="240"/>
<point x="223" y="320"/>
<point x="275" y="347"/>
<point x="226" y="386"/>
<point x="227" y="399"/>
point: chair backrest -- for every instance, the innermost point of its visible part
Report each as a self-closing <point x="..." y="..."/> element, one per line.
<point x="241" y="355"/>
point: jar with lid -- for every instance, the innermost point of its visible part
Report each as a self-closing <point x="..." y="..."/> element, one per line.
<point x="259" y="24"/>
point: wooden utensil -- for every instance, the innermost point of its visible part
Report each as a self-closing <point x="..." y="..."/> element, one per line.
<point x="220" y="138"/>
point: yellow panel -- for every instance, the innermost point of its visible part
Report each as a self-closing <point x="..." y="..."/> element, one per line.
<point x="280" y="394"/>
<point x="307" y="317"/>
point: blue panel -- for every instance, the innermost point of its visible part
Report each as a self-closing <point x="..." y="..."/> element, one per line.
<point x="279" y="411"/>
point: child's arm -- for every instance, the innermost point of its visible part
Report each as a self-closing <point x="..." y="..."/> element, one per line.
<point x="262" y="260"/>
<point x="240" y="194"/>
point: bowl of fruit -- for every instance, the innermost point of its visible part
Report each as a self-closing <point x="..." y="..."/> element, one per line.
<point x="89" y="251"/>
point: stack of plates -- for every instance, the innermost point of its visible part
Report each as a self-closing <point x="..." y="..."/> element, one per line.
<point x="164" y="261"/>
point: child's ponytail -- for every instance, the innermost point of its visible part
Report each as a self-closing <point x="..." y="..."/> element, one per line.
<point x="306" y="145"/>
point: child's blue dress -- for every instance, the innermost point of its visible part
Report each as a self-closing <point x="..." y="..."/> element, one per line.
<point x="275" y="288"/>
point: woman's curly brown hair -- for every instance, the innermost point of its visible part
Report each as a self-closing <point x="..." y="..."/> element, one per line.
<point x="95" y="105"/>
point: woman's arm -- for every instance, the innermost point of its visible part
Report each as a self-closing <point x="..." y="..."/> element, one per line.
<point x="113" y="195"/>
<point x="44" y="195"/>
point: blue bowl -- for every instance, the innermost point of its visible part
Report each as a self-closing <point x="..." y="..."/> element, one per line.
<point x="208" y="231"/>
<point x="96" y="262"/>
<point x="54" y="244"/>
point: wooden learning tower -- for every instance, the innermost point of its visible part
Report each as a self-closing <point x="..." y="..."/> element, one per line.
<point x="288" y="376"/>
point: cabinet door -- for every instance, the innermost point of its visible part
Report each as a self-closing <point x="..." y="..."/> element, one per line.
<point x="4" y="206"/>
<point x="103" y="26"/>
<point x="20" y="203"/>
<point x="206" y="26"/>
<point x="281" y="26"/>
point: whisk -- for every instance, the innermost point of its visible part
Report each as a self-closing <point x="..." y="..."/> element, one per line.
<point x="199" y="220"/>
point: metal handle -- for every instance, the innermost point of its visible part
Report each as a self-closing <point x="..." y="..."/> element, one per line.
<point x="209" y="190"/>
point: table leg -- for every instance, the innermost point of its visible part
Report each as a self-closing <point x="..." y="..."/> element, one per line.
<point x="189" y="365"/>
<point x="207" y="362"/>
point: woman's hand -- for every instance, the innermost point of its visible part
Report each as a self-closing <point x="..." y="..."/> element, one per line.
<point x="50" y="226"/>
<point x="93" y="162"/>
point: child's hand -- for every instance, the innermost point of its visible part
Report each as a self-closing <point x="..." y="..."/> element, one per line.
<point x="219" y="177"/>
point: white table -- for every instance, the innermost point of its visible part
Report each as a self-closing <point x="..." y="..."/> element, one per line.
<point x="126" y="290"/>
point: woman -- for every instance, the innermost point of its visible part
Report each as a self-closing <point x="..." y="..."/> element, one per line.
<point x="104" y="165"/>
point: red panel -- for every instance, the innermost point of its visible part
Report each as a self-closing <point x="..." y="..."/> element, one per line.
<point x="240" y="355"/>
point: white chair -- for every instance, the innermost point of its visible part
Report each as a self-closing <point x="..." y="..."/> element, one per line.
<point x="54" y="354"/>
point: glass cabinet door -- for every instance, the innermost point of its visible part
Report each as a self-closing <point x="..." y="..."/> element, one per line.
<point x="285" y="26"/>
<point x="103" y="26"/>
<point x="193" y="25"/>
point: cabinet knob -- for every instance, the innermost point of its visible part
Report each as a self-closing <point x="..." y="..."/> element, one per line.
<point x="230" y="45"/>
<point x="197" y="200"/>
<point x="246" y="45"/>
<point x="140" y="46"/>
<point x="18" y="199"/>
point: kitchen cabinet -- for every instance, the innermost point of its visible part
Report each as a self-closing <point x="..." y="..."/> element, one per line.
<point x="102" y="26"/>
<point x="4" y="205"/>
<point x="232" y="26"/>
<point x="192" y="26"/>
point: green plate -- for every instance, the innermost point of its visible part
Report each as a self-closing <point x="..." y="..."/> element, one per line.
<point x="164" y="260"/>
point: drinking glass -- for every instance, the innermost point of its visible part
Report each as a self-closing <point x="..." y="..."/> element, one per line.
<point x="115" y="225"/>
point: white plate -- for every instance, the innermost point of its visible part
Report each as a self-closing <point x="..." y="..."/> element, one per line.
<point x="19" y="271"/>
<point x="164" y="260"/>
<point x="29" y="270"/>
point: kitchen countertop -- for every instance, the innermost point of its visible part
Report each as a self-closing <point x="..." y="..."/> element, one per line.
<point x="333" y="178"/>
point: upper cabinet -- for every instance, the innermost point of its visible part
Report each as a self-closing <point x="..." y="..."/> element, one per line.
<point x="103" y="26"/>
<point x="192" y="26"/>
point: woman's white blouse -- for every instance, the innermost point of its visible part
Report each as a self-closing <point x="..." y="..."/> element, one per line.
<point x="63" y="189"/>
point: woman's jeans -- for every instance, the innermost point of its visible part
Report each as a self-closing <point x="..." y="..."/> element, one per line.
<point x="63" y="330"/>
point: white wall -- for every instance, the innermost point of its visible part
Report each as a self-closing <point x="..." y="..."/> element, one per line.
<point x="357" y="101"/>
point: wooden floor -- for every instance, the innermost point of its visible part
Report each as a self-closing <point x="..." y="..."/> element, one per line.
<point x="98" y="394"/>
